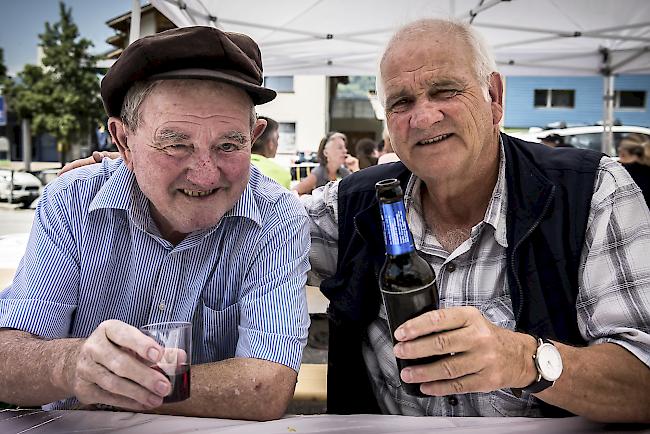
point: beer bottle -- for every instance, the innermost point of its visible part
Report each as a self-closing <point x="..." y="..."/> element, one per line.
<point x="407" y="282"/>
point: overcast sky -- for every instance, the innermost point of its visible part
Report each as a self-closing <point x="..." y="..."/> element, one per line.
<point x="21" y="21"/>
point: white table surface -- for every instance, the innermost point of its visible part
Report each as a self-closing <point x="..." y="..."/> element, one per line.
<point x="54" y="422"/>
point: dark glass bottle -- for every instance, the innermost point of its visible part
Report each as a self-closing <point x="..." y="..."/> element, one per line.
<point x="407" y="281"/>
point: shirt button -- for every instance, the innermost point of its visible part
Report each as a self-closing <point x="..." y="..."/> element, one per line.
<point x="451" y="267"/>
<point x="452" y="400"/>
<point x="162" y="306"/>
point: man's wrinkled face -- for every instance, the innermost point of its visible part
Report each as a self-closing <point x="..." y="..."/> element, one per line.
<point x="191" y="153"/>
<point x="441" y="122"/>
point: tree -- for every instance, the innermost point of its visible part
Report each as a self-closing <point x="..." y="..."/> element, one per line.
<point x="62" y="97"/>
<point x="3" y="68"/>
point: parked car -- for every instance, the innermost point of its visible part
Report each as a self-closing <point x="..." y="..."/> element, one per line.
<point x="585" y="137"/>
<point x="47" y="175"/>
<point x="25" y="187"/>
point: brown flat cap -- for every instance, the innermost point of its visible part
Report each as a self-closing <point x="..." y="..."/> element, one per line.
<point x="198" y="52"/>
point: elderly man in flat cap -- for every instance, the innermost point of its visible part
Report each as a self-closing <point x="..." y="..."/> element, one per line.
<point x="181" y="228"/>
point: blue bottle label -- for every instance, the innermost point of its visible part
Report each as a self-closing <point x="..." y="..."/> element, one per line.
<point x="396" y="232"/>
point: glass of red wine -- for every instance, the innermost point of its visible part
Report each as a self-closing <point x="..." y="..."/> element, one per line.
<point x="176" y="339"/>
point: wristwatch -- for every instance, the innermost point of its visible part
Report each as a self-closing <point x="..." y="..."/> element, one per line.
<point x="548" y="362"/>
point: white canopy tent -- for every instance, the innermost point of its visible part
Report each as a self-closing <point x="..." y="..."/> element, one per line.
<point x="346" y="37"/>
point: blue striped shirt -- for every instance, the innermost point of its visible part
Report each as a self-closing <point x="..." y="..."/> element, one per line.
<point x="95" y="253"/>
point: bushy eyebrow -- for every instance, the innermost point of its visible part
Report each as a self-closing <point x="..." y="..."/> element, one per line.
<point x="236" y="136"/>
<point x="171" y="135"/>
<point x="404" y="93"/>
<point x="392" y="97"/>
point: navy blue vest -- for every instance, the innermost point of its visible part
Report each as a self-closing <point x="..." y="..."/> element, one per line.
<point x="549" y="196"/>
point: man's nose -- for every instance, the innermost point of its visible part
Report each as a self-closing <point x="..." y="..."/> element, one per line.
<point x="203" y="170"/>
<point x="425" y="114"/>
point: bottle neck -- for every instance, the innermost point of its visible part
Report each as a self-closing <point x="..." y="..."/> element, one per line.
<point x="397" y="236"/>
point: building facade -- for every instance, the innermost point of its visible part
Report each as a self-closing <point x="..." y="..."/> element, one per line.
<point x="539" y="101"/>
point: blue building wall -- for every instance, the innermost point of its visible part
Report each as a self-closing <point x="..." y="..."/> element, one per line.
<point x="520" y="95"/>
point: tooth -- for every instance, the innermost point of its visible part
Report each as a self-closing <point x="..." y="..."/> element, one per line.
<point x="194" y="193"/>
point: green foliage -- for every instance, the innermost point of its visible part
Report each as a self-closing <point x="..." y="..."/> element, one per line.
<point x="3" y="68"/>
<point x="62" y="97"/>
<point x="357" y="87"/>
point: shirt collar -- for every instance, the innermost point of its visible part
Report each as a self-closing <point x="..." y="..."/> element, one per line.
<point x="116" y="191"/>
<point x="246" y="206"/>
<point x="121" y="192"/>
<point x="496" y="212"/>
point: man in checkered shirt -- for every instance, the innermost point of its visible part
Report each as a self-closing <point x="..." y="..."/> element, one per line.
<point x="541" y="256"/>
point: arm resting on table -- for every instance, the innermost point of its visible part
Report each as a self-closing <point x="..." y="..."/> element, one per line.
<point x="240" y="388"/>
<point x="32" y="369"/>
<point x="603" y="382"/>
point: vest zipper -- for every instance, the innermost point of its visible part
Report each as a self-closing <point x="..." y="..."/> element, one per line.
<point x="514" y="249"/>
<point x="356" y="229"/>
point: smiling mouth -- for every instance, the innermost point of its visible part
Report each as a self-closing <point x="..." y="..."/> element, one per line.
<point x="435" y="139"/>
<point x="197" y="193"/>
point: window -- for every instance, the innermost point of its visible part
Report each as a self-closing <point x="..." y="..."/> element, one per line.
<point x="555" y="98"/>
<point x="280" y="83"/>
<point x="629" y="99"/>
<point x="287" y="139"/>
<point x="585" y="141"/>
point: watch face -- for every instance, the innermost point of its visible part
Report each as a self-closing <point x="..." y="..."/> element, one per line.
<point x="549" y="362"/>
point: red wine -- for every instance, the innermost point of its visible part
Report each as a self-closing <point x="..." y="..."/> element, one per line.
<point x="179" y="376"/>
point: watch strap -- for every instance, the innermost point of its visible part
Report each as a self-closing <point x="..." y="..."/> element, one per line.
<point x="540" y="383"/>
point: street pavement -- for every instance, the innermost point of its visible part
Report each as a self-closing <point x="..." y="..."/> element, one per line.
<point x="14" y="219"/>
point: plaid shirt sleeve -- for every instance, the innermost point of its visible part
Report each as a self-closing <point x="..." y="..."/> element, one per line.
<point x="322" y="207"/>
<point x="614" y="296"/>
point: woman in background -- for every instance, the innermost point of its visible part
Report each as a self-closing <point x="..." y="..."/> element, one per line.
<point x="335" y="163"/>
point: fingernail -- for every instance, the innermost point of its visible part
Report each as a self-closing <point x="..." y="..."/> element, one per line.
<point x="399" y="334"/>
<point x="162" y="388"/>
<point x="153" y="354"/>
<point x="155" y="400"/>
<point x="397" y="350"/>
<point x="407" y="374"/>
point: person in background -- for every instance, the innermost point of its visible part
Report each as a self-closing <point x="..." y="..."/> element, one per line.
<point x="334" y="163"/>
<point x="181" y="228"/>
<point x="540" y="256"/>
<point x="634" y="155"/>
<point x="265" y="148"/>
<point x="103" y="138"/>
<point x="367" y="152"/>
<point x="388" y="155"/>
<point x="555" y="141"/>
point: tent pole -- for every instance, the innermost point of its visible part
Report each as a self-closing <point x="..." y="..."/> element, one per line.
<point x="607" y="146"/>
<point x="608" y="139"/>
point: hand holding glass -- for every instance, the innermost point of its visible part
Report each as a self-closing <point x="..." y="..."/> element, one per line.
<point x="176" y="340"/>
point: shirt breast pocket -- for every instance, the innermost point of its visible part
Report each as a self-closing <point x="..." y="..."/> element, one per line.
<point x="220" y="333"/>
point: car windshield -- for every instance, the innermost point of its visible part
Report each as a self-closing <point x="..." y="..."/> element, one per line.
<point x="593" y="141"/>
<point x="584" y="141"/>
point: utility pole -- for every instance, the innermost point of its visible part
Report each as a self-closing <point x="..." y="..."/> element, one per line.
<point x="27" y="144"/>
<point x="134" y="31"/>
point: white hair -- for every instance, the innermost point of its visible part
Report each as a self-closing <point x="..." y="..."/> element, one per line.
<point x="484" y="63"/>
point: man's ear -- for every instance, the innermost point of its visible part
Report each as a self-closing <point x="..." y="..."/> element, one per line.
<point x="496" y="97"/>
<point x="258" y="129"/>
<point x="119" y="135"/>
